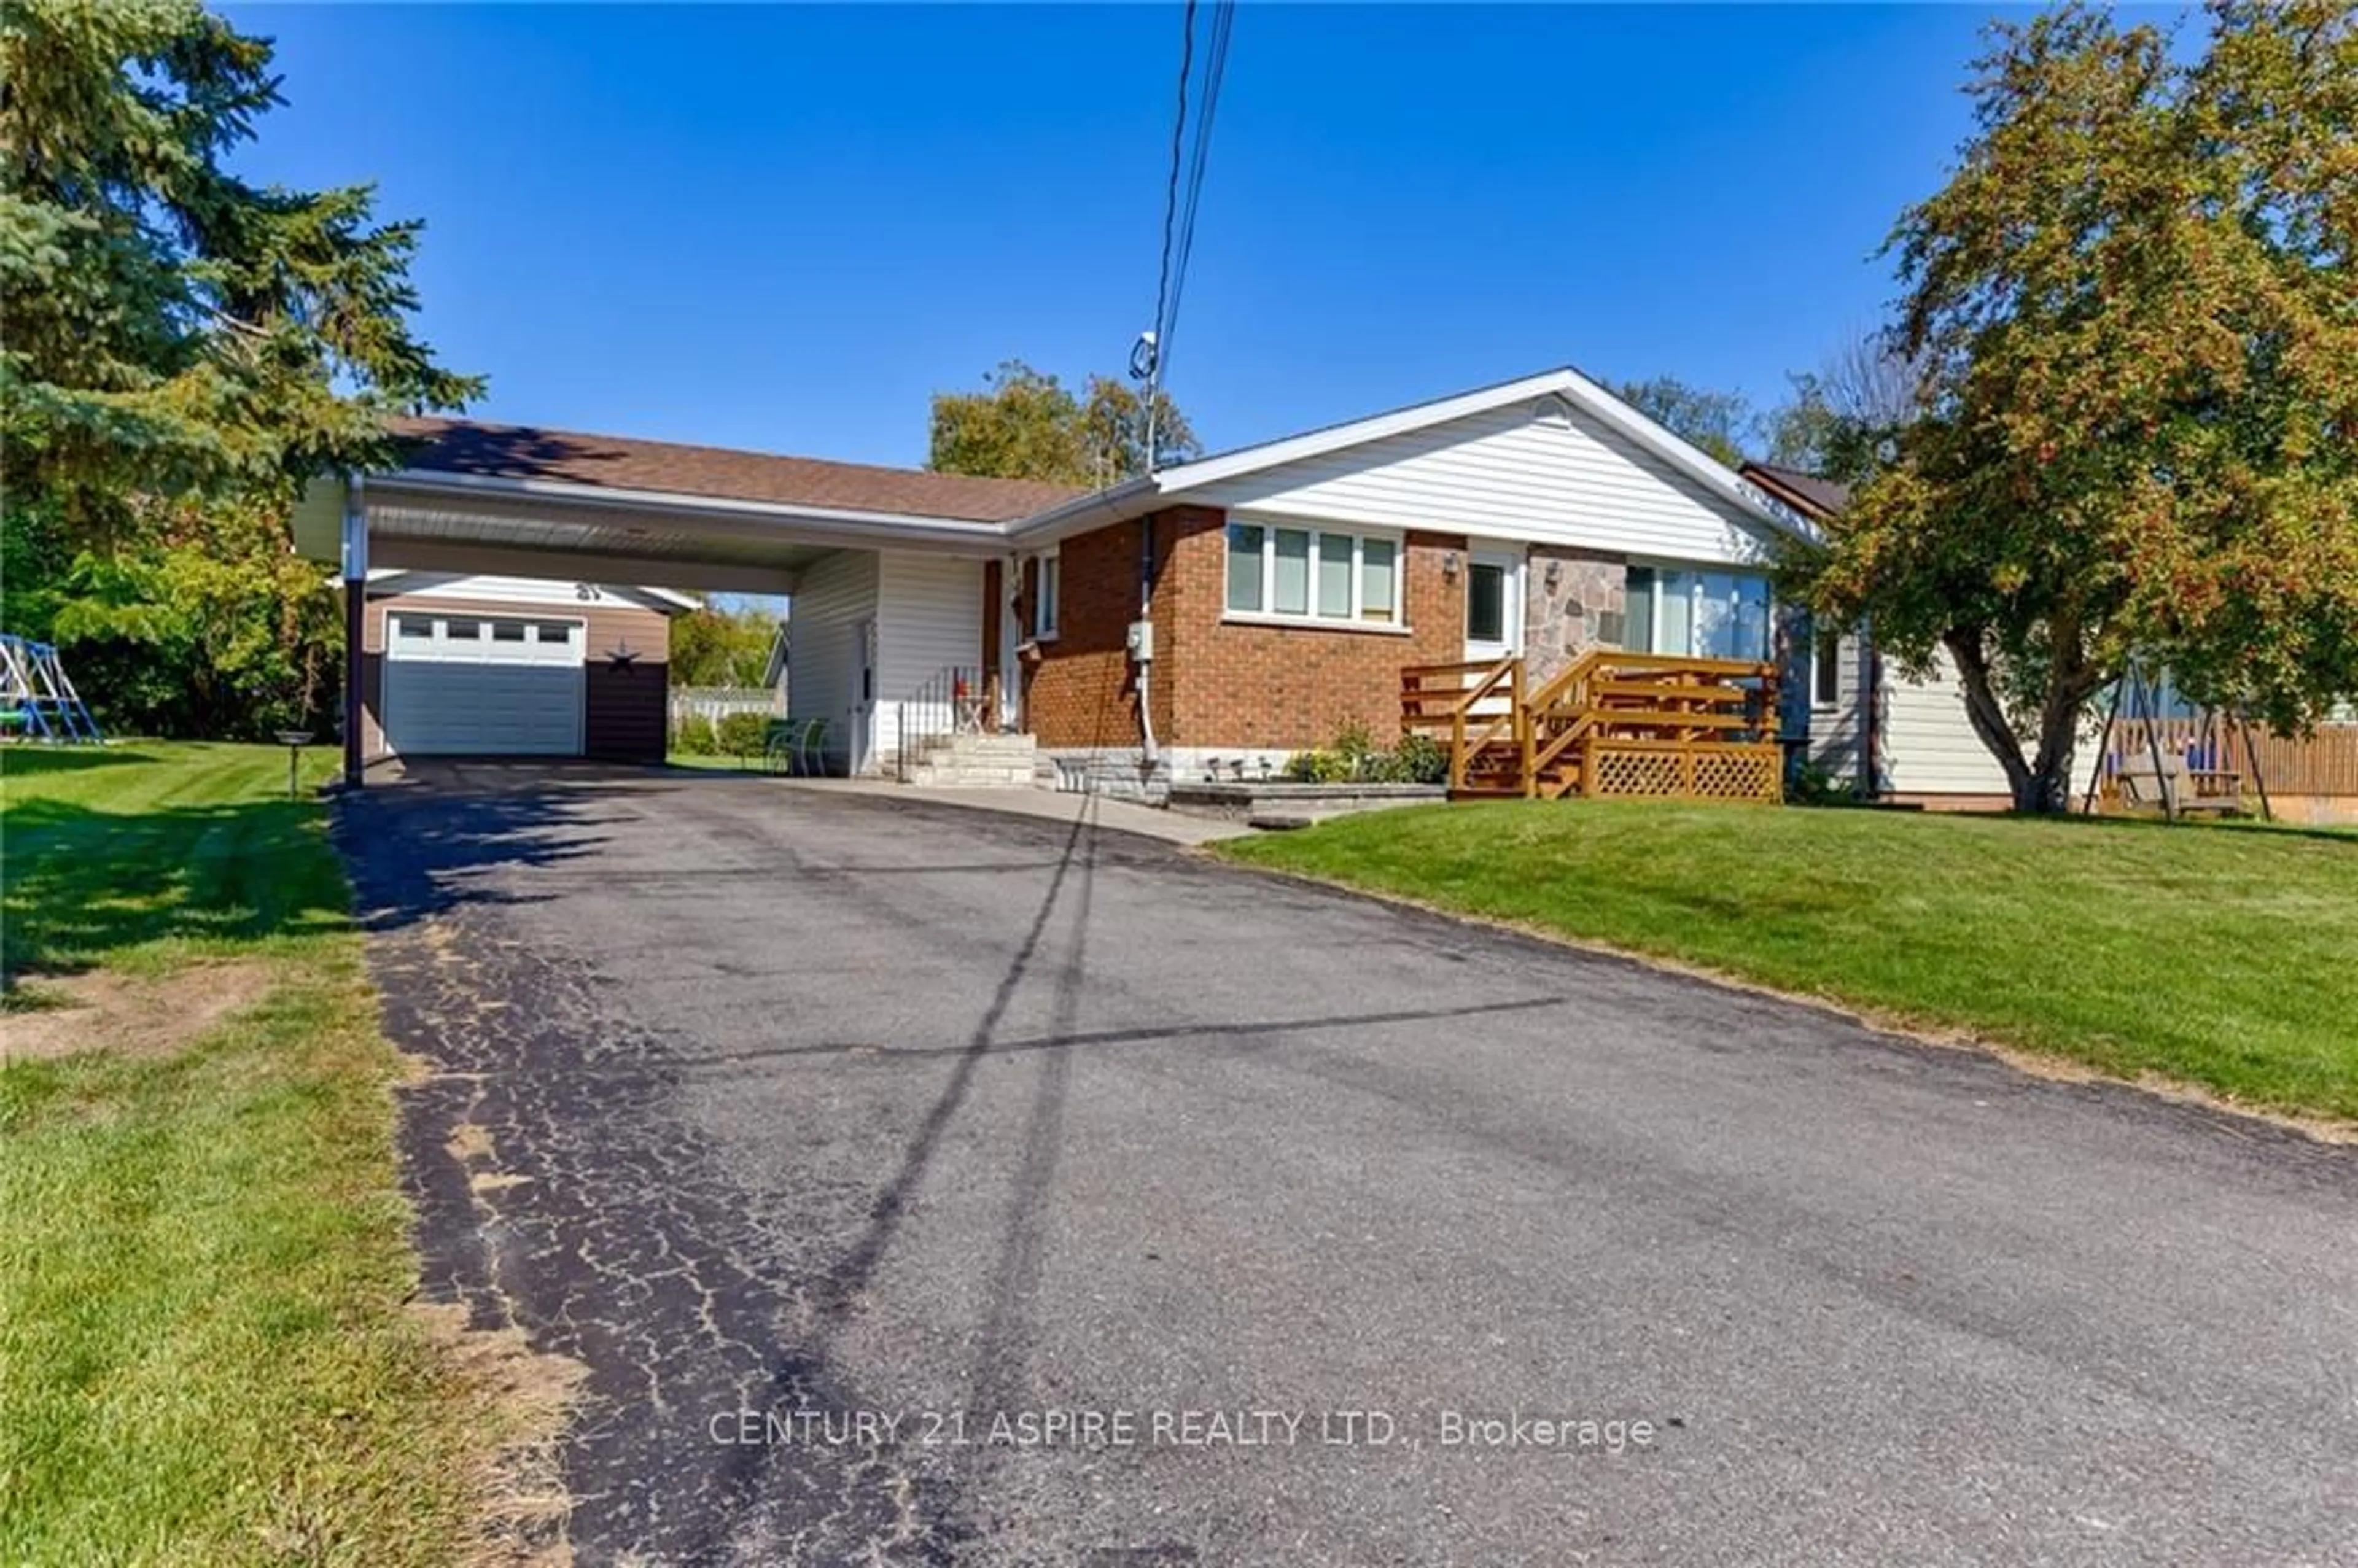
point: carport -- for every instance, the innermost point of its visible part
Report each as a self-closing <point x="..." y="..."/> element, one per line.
<point x="527" y="501"/>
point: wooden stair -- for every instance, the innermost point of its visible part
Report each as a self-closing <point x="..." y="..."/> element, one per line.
<point x="1609" y="723"/>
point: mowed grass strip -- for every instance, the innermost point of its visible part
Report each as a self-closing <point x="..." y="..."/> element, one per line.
<point x="203" y="1254"/>
<point x="2218" y="955"/>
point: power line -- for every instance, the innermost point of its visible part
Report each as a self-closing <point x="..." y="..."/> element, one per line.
<point x="1214" y="67"/>
<point x="1171" y="191"/>
<point x="1182" y="195"/>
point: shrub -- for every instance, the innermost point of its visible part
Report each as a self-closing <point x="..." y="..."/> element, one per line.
<point x="1316" y="766"/>
<point x="693" y="736"/>
<point x="741" y="734"/>
<point x="1355" y="759"/>
<point x="1418" y="759"/>
<point x="1812" y="784"/>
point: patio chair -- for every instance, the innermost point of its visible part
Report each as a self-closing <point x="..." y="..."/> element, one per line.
<point x="796" y="746"/>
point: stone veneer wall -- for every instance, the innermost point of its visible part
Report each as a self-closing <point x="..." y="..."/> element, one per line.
<point x="1587" y="607"/>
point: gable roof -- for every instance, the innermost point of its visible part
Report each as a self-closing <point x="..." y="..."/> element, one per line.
<point x="1141" y="496"/>
<point x="475" y="449"/>
<point x="1806" y="493"/>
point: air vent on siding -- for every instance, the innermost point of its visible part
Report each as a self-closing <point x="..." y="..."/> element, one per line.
<point x="1554" y="412"/>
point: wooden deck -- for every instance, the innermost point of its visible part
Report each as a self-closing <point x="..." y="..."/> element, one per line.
<point x="1609" y="724"/>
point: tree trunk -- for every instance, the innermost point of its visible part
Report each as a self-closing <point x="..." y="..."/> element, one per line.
<point x="2043" y="781"/>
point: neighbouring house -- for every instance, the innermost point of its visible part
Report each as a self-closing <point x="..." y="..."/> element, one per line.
<point x="1902" y="741"/>
<point x="461" y="664"/>
<point x="1235" y="608"/>
<point x="1907" y="741"/>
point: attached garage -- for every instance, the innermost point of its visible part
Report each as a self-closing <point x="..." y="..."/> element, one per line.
<point x="492" y="667"/>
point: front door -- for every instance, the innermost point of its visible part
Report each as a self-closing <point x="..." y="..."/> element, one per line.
<point x="1494" y="604"/>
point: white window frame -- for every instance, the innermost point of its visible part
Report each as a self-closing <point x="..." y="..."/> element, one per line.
<point x="1354" y="620"/>
<point x="1047" y="594"/>
<point x="1824" y="647"/>
<point x="1697" y="570"/>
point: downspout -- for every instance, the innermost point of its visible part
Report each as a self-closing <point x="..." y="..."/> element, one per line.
<point x="1142" y="641"/>
<point x="1141" y="632"/>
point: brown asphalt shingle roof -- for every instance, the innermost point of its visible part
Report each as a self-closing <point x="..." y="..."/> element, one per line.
<point x="1825" y="497"/>
<point x="621" y="462"/>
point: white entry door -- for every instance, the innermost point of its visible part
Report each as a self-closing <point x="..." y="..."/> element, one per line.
<point x="1494" y="604"/>
<point x="462" y="685"/>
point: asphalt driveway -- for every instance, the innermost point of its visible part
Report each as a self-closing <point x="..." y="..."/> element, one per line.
<point x="924" y="1185"/>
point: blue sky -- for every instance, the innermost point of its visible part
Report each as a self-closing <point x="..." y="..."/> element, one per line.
<point x="785" y="227"/>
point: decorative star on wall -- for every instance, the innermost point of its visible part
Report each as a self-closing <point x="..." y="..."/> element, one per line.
<point x="622" y="657"/>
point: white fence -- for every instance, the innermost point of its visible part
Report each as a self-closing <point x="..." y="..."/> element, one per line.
<point x="712" y="703"/>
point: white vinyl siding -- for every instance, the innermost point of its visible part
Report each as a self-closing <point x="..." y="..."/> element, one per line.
<point x="551" y="591"/>
<point x="1528" y="474"/>
<point x="836" y="594"/>
<point x="1930" y="748"/>
<point x="1928" y="744"/>
<point x="929" y="611"/>
<point x="1835" y="731"/>
<point x="928" y="618"/>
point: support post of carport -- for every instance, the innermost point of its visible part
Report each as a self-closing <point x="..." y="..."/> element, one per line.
<point x="355" y="571"/>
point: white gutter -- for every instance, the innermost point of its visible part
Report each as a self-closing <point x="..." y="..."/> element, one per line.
<point x="1083" y="512"/>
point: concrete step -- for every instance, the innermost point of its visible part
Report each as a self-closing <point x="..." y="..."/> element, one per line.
<point x="969" y="775"/>
<point x="994" y="749"/>
<point x="1003" y="743"/>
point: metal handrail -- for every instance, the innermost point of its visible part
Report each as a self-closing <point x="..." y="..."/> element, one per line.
<point x="945" y="703"/>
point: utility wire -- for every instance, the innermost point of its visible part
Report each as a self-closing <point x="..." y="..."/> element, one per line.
<point x="1214" y="67"/>
<point x="1171" y="191"/>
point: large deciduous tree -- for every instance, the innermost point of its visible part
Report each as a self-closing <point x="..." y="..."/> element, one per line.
<point x="722" y="645"/>
<point x="179" y="340"/>
<point x="1025" y="424"/>
<point x="2136" y="309"/>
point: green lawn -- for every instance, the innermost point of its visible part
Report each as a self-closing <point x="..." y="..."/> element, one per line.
<point x="2214" y="955"/>
<point x="204" y="1357"/>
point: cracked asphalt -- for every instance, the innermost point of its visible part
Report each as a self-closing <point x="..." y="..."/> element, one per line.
<point x="762" y="1102"/>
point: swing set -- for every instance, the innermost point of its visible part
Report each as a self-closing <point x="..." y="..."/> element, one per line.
<point x="38" y="701"/>
<point x="2157" y="754"/>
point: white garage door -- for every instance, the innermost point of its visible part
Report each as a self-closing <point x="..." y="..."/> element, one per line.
<point x="459" y="684"/>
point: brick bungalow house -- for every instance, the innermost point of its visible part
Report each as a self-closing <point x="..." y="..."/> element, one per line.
<point x="1287" y="584"/>
<point x="1235" y="608"/>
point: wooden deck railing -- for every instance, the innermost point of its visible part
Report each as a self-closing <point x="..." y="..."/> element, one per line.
<point x="1608" y="723"/>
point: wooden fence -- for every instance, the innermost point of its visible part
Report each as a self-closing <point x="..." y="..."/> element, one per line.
<point x="2322" y="763"/>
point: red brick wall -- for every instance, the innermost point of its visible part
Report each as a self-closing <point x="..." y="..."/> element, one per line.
<point x="1216" y="683"/>
<point x="1079" y="691"/>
